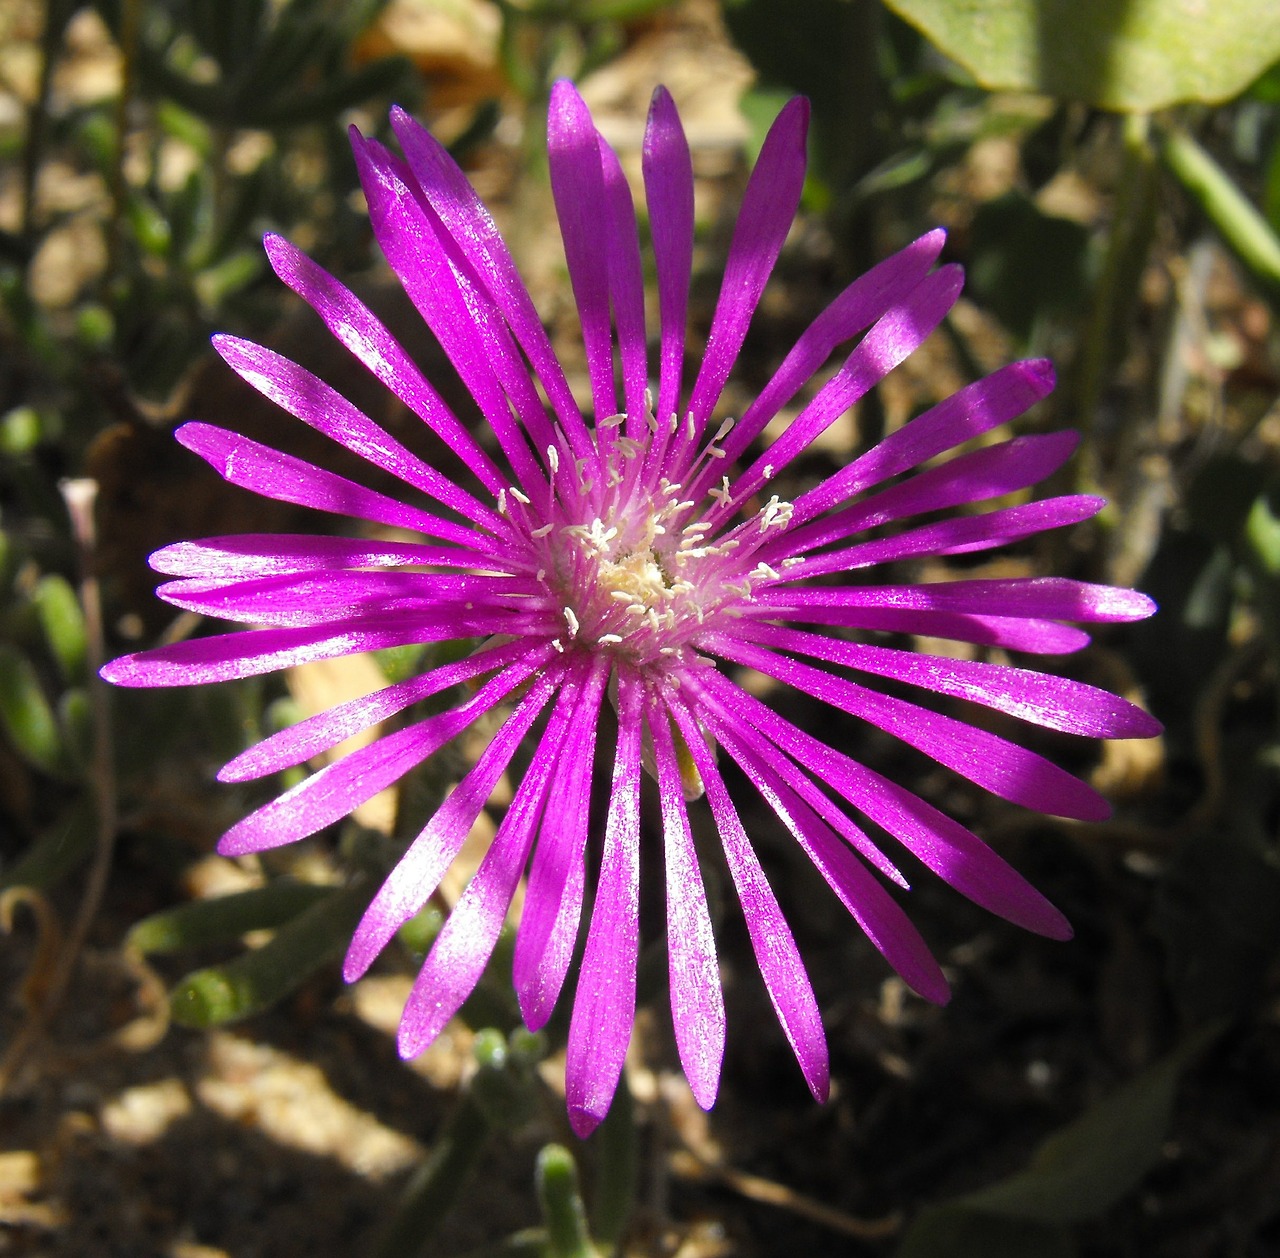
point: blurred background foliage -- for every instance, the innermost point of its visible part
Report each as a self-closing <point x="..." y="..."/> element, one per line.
<point x="1109" y="172"/>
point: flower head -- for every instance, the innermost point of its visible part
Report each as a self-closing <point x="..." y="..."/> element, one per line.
<point x="633" y="557"/>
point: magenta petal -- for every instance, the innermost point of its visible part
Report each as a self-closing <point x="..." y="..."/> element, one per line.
<point x="309" y="738"/>
<point x="465" y="944"/>
<point x="881" y="919"/>
<point x="251" y="465"/>
<point x="975" y="477"/>
<point x="668" y="185"/>
<point x="853" y="311"/>
<point x="414" y="879"/>
<point x="626" y="290"/>
<point x="604" y="1007"/>
<point x="473" y="230"/>
<point x="783" y="971"/>
<point x="332" y="792"/>
<point x="959" y="536"/>
<point x="356" y="326"/>
<point x="270" y="554"/>
<point x="768" y="207"/>
<point x="896" y="335"/>
<point x="697" y="1002"/>
<point x="308" y="398"/>
<point x="577" y="183"/>
<point x="227" y="656"/>
<point x="994" y="763"/>
<point x="975" y="409"/>
<point x="553" y="901"/>
<point x="468" y="332"/>
<point x="941" y="844"/>
<point x="1039" y="698"/>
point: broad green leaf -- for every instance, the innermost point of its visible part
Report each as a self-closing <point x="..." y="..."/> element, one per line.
<point x="26" y="718"/>
<point x="1083" y="1170"/>
<point x="62" y="621"/>
<point x="1136" y="55"/>
<point x="950" y="1231"/>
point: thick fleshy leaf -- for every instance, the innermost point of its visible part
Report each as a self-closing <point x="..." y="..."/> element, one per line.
<point x="604" y="1006"/>
<point x="1143" y="55"/>
<point x="697" y="1002"/>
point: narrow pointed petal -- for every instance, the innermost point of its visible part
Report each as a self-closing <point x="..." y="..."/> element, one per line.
<point x="994" y="763"/>
<point x="768" y="208"/>
<point x="697" y="1001"/>
<point x="577" y="184"/>
<point x="417" y="875"/>
<point x="1058" y="703"/>
<point x="359" y="329"/>
<point x="958" y="536"/>
<point x="668" y="186"/>
<point x="604" y="1007"/>
<point x="975" y="409"/>
<point x="272" y="554"/>
<point x="553" y="901"/>
<point x="471" y="226"/>
<point x="470" y="335"/>
<point x="941" y="844"/>
<point x="978" y="476"/>
<point x="853" y="311"/>
<point x="308" y="398"/>
<point x="785" y="977"/>
<point x="895" y="336"/>
<point x="332" y="792"/>
<point x="879" y="915"/>
<point x="462" y="949"/>
<point x="626" y="290"/>
<point x="284" y="478"/>
<point x="296" y="744"/>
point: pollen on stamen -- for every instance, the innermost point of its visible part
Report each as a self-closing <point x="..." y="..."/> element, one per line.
<point x="571" y="619"/>
<point x="542" y="531"/>
<point x="553" y="459"/>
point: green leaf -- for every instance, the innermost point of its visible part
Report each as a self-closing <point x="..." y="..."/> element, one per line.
<point x="225" y="917"/>
<point x="557" y="1179"/>
<point x="62" y="621"/>
<point x="1138" y="55"/>
<point x="26" y="718"/>
<point x="258" y="979"/>
<point x="1083" y="1170"/>
<point x="952" y="1232"/>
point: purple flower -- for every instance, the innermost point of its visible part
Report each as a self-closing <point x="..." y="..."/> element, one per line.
<point x="634" y="558"/>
